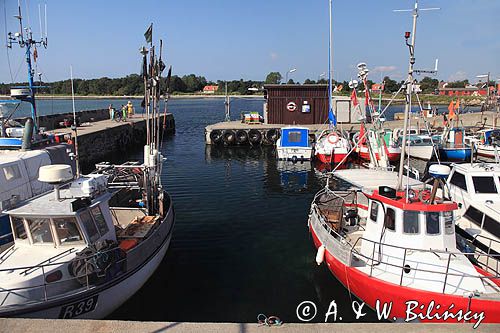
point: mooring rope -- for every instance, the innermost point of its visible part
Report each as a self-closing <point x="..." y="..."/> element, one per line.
<point x="263" y="320"/>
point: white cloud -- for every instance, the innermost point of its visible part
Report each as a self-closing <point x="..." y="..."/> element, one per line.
<point x="458" y="76"/>
<point x="273" y="55"/>
<point x="384" y="69"/>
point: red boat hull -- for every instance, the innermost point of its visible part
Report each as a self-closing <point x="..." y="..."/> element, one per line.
<point x="370" y="289"/>
<point x="337" y="158"/>
<point x="393" y="157"/>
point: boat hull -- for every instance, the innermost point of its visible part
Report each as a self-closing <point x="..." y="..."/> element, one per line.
<point x="420" y="152"/>
<point x="393" y="154"/>
<point x="294" y="153"/>
<point x="486" y="151"/>
<point x="374" y="291"/>
<point x="328" y="158"/>
<point x="455" y="154"/>
<point x="106" y="298"/>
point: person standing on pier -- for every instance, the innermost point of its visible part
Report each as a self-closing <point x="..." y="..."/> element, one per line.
<point x="130" y="108"/>
<point x="124" y="112"/>
<point x="111" y="112"/>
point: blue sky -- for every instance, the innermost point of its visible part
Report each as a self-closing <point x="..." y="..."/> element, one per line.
<point x="233" y="39"/>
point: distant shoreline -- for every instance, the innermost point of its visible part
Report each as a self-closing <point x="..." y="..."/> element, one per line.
<point x="41" y="97"/>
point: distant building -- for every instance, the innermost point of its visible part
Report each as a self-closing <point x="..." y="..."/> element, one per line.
<point x="210" y="89"/>
<point x="376" y="88"/>
<point x="467" y="91"/>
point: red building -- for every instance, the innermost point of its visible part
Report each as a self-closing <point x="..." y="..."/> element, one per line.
<point x="376" y="88"/>
<point x="210" y="89"/>
<point x="469" y="91"/>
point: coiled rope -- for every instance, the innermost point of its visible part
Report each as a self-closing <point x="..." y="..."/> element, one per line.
<point x="263" y="320"/>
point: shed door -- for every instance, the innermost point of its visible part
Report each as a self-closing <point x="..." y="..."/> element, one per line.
<point x="343" y="111"/>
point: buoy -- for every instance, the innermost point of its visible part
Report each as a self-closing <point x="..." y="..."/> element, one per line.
<point x="241" y="136"/>
<point x="228" y="137"/>
<point x="215" y="136"/>
<point x="320" y="255"/>
<point x="254" y="136"/>
<point x="333" y="138"/>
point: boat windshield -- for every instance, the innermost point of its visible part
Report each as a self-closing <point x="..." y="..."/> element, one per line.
<point x="67" y="230"/>
<point x="484" y="184"/>
<point x="40" y="230"/>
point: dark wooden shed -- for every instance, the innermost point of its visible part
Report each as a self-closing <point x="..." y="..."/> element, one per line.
<point x="294" y="104"/>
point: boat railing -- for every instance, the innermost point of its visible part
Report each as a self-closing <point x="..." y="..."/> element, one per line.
<point x="39" y="291"/>
<point x="487" y="264"/>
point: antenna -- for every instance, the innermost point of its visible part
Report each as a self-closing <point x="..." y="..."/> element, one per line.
<point x="74" y="127"/>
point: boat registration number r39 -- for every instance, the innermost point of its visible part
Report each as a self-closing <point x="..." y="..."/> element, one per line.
<point x="78" y="308"/>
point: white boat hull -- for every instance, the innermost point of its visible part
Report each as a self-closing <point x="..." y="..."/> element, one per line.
<point x="291" y="153"/>
<point x="420" y="152"/>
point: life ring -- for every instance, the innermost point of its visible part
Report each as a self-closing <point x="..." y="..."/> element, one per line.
<point x="424" y="196"/>
<point x="333" y="138"/>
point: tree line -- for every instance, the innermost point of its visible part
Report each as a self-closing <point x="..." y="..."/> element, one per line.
<point x="133" y="85"/>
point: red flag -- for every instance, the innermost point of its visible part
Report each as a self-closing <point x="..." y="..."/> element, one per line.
<point x="451" y="110"/>
<point x="354" y="98"/>
<point x="35" y="54"/>
<point x="367" y="97"/>
<point x="362" y="136"/>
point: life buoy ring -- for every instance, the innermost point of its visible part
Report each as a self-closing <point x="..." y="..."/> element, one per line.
<point x="333" y="138"/>
<point x="424" y="196"/>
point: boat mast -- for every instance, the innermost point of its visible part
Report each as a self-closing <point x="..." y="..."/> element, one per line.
<point x="330" y="101"/>
<point x="24" y="38"/>
<point x="409" y="89"/>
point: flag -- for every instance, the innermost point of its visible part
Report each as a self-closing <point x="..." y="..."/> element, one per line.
<point x="367" y="97"/>
<point x="332" y="118"/>
<point x="340" y="87"/>
<point x="451" y="110"/>
<point x="149" y="34"/>
<point x="354" y="98"/>
<point x="457" y="106"/>
<point x="35" y="54"/>
<point x="362" y="136"/>
<point x="169" y="76"/>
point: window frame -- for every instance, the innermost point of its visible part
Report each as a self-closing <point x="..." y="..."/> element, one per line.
<point x="417" y="213"/>
<point x="493" y="181"/>
<point x="386" y="217"/>
<point x="465" y="181"/>
<point x="90" y="239"/>
<point x="82" y="234"/>
<point x="371" y="210"/>
<point x="427" y="214"/>
<point x="30" y="235"/>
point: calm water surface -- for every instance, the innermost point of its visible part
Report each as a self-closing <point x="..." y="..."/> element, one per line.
<point x="240" y="246"/>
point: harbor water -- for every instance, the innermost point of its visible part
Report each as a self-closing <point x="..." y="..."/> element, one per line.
<point x="241" y="245"/>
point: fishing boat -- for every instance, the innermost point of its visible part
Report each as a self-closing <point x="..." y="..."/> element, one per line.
<point x="453" y="146"/>
<point x="88" y="246"/>
<point x="294" y="145"/>
<point x="421" y="146"/>
<point x="488" y="142"/>
<point x="390" y="240"/>
<point x="476" y="189"/>
<point x="331" y="145"/>
<point x="25" y="147"/>
<point x="392" y="150"/>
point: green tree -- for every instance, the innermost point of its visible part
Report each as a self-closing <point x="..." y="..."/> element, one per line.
<point x="428" y="85"/>
<point x="390" y="85"/>
<point x="273" y="78"/>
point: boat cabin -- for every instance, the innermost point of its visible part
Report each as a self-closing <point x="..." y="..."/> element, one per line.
<point x="412" y="224"/>
<point x="294" y="137"/>
<point x="489" y="136"/>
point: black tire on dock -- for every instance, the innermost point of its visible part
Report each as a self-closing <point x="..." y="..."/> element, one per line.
<point x="229" y="137"/>
<point x="216" y="136"/>
<point x="273" y="135"/>
<point x="241" y="136"/>
<point x="254" y="136"/>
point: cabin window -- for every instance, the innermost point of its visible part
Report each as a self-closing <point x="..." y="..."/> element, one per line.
<point x="18" y="227"/>
<point x="40" y="230"/>
<point x="89" y="226"/>
<point x="374" y="211"/>
<point x="410" y="222"/>
<point x="458" y="180"/>
<point x="294" y="137"/>
<point x="432" y="223"/>
<point x="484" y="184"/>
<point x="99" y="220"/>
<point x="474" y="215"/>
<point x="390" y="219"/>
<point x="491" y="226"/>
<point x="67" y="230"/>
<point x="449" y="227"/>
<point x="11" y="172"/>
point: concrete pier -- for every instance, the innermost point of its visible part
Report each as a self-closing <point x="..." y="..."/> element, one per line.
<point x="475" y="120"/>
<point x="98" y="140"/>
<point x="111" y="326"/>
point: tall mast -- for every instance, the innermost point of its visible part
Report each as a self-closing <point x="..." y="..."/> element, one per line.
<point x="330" y="101"/>
<point x="24" y="38"/>
<point x="409" y="88"/>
